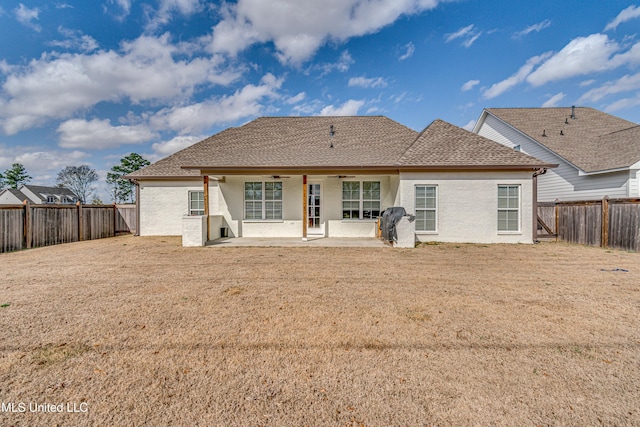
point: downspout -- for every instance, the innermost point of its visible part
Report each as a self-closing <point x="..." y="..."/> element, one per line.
<point x="304" y="208"/>
<point x="535" y="203"/>
<point x="137" y="184"/>
<point x="205" y="182"/>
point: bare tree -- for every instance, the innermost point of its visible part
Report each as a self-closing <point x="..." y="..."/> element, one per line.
<point x="78" y="179"/>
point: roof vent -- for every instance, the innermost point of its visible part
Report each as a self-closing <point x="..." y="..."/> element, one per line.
<point x="566" y="121"/>
<point x="573" y="111"/>
<point x="544" y="133"/>
<point x="331" y="133"/>
<point x="561" y="133"/>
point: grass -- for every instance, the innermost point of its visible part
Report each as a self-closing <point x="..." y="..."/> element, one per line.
<point x="149" y="333"/>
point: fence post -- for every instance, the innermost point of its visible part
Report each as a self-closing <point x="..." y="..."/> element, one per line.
<point x="604" y="236"/>
<point x="80" y="222"/>
<point x="115" y="219"/>
<point x="27" y="224"/>
<point x="555" y="209"/>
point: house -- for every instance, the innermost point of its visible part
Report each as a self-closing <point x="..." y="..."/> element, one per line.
<point x="334" y="176"/>
<point x="37" y="194"/>
<point x="598" y="154"/>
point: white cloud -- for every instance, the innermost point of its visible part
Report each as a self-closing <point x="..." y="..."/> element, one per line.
<point x="469" y="85"/>
<point x="26" y="16"/>
<point x="554" y="100"/>
<point x="587" y="82"/>
<point x="37" y="161"/>
<point x="626" y="83"/>
<point x="469" y="126"/>
<point x="99" y="134"/>
<point x="245" y="102"/>
<point x="536" y="27"/>
<point x="627" y="14"/>
<point x="124" y="9"/>
<point x="167" y="8"/>
<point x="298" y="28"/>
<point x="298" y="98"/>
<point x="517" y="78"/>
<point x="56" y="85"/>
<point x="469" y="35"/>
<point x="623" y="104"/>
<point x="75" y="40"/>
<point x="342" y="65"/>
<point x="166" y="148"/>
<point x="375" y="82"/>
<point x="349" y="108"/>
<point x="410" y="49"/>
<point x="583" y="55"/>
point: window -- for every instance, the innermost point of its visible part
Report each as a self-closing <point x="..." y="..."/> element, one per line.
<point x="360" y="199"/>
<point x="263" y="200"/>
<point x="196" y="202"/>
<point x="508" y="208"/>
<point x="51" y="199"/>
<point x="426" y="208"/>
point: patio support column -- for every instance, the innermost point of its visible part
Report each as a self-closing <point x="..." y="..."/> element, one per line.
<point x="205" y="181"/>
<point x="304" y="208"/>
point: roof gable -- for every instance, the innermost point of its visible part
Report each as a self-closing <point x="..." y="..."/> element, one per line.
<point x="443" y="144"/>
<point x="591" y="140"/>
<point x="13" y="193"/>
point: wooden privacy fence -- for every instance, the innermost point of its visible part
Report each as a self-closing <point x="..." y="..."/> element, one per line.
<point x="612" y="223"/>
<point x="31" y="226"/>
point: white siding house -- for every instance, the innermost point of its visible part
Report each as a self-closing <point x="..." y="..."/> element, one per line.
<point x="11" y="196"/>
<point x="597" y="154"/>
<point x="38" y="194"/>
<point x="334" y="176"/>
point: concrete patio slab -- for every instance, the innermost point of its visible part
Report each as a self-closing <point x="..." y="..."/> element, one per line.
<point x="297" y="242"/>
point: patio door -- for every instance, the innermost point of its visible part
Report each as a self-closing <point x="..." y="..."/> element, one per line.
<point x="315" y="223"/>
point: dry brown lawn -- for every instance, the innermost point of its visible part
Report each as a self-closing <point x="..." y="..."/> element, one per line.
<point x="140" y="331"/>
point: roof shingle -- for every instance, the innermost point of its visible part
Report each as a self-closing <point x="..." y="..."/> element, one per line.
<point x="357" y="142"/>
<point x="592" y="140"/>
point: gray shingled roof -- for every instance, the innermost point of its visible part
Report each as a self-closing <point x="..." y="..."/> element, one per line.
<point x="57" y="191"/>
<point x="443" y="144"/>
<point x="592" y="141"/>
<point x="357" y="142"/>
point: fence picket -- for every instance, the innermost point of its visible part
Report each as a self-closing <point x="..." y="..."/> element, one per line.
<point x="27" y="225"/>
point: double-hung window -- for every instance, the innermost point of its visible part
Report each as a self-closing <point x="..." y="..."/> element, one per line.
<point x="263" y="200"/>
<point x="360" y="199"/>
<point x="426" y="208"/>
<point x="508" y="208"/>
<point x="196" y="202"/>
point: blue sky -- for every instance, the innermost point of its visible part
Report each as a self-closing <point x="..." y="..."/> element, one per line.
<point x="87" y="82"/>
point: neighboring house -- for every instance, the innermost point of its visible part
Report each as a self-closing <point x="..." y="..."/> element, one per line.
<point x="39" y="195"/>
<point x="11" y="196"/>
<point x="333" y="176"/>
<point x="598" y="154"/>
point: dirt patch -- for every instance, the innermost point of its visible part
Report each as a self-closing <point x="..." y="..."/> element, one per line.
<point x="142" y="331"/>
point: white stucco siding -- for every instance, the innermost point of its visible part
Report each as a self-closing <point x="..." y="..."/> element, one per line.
<point x="467" y="205"/>
<point x="563" y="182"/>
<point x="230" y="207"/>
<point x="339" y="227"/>
<point x="163" y="204"/>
